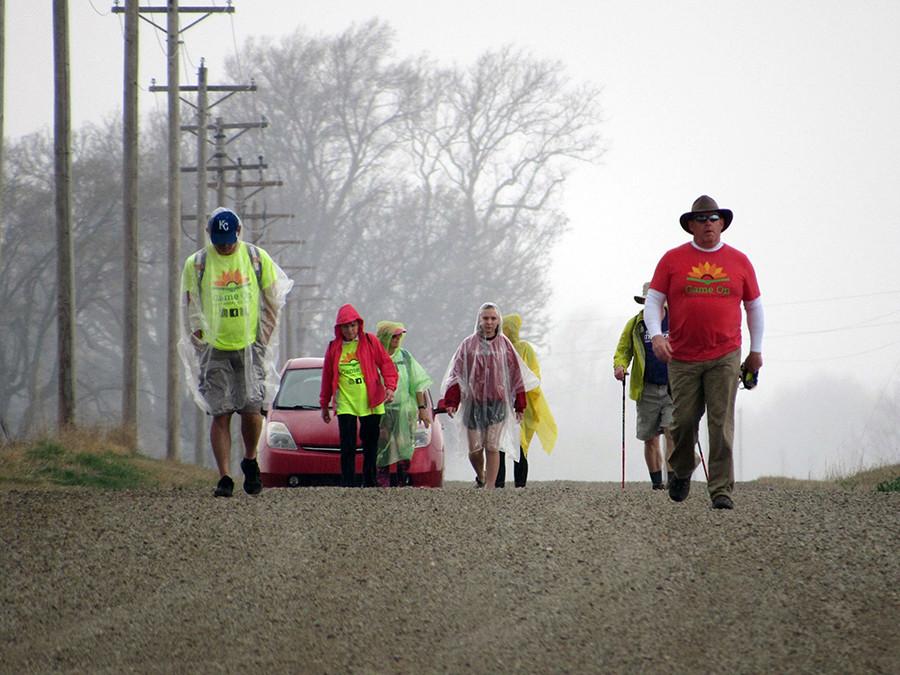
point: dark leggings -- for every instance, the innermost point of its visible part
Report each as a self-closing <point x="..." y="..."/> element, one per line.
<point x="520" y="470"/>
<point x="368" y="434"/>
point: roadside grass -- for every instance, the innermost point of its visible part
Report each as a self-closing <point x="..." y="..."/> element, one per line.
<point x="884" y="478"/>
<point x="94" y="459"/>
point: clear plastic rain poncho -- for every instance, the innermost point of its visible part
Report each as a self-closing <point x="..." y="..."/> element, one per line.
<point x="234" y="314"/>
<point x="489" y="374"/>
<point x="537" y="418"/>
<point x="401" y="417"/>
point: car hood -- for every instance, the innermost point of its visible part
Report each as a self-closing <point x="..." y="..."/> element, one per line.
<point x="308" y="428"/>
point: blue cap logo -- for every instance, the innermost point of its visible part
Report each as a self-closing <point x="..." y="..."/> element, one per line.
<point x="223" y="226"/>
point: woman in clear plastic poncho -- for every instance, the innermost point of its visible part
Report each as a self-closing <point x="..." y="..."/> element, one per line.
<point x="537" y="418"/>
<point x="396" y="442"/>
<point x="486" y="383"/>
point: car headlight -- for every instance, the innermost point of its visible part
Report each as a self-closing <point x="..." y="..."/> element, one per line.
<point x="423" y="436"/>
<point x="279" y="436"/>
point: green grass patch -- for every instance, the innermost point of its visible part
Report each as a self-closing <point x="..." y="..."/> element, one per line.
<point x="94" y="459"/>
<point x="105" y="471"/>
<point x="889" y="485"/>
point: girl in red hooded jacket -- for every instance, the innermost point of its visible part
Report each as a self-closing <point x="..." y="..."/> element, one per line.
<point x="360" y="376"/>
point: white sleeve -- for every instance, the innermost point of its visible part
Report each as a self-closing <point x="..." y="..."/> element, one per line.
<point x="755" y="323"/>
<point x="653" y="310"/>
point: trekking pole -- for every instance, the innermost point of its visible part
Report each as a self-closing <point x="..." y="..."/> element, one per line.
<point x="702" y="461"/>
<point x="623" y="431"/>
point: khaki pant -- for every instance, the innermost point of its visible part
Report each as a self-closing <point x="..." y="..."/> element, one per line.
<point x="710" y="386"/>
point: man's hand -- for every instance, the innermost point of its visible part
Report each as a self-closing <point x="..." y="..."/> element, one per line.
<point x="620" y="373"/>
<point x="451" y="410"/>
<point x="326" y="415"/>
<point x="197" y="340"/>
<point x="661" y="348"/>
<point x="519" y="416"/>
<point x="388" y="395"/>
<point x="753" y="362"/>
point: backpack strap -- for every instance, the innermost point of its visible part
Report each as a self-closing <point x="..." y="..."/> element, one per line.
<point x="199" y="266"/>
<point x="253" y="252"/>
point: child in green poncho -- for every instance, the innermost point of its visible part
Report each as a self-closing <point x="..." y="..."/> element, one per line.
<point x="396" y="442"/>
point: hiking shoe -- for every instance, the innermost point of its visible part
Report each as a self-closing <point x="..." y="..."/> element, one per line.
<point x="722" y="502"/>
<point x="225" y="487"/>
<point x="252" y="481"/>
<point x="679" y="488"/>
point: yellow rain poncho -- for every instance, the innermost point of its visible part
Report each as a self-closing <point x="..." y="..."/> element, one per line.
<point x="537" y="418"/>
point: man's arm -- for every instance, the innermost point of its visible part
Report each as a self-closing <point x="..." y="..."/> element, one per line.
<point x="268" y="317"/>
<point x="653" y="312"/>
<point x="756" y="326"/>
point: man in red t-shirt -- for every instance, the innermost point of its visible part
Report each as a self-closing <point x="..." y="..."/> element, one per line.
<point x="704" y="282"/>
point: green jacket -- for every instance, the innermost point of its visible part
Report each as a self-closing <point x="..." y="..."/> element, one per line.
<point x="631" y="347"/>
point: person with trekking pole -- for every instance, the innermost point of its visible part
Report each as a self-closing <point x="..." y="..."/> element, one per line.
<point x="705" y="281"/>
<point x="649" y="388"/>
<point x="233" y="294"/>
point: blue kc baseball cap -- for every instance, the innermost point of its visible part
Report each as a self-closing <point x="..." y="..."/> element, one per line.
<point x="223" y="226"/>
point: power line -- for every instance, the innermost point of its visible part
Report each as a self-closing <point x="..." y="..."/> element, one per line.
<point x="770" y="359"/>
<point x="832" y="299"/>
<point x="831" y="330"/>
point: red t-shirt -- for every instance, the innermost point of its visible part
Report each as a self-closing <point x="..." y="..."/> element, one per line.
<point x="704" y="291"/>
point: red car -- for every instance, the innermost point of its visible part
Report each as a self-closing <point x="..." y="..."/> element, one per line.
<point x="298" y="448"/>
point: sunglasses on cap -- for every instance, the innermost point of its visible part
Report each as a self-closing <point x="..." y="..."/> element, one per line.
<point x="715" y="217"/>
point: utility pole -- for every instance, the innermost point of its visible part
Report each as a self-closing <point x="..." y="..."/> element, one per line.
<point x="203" y="106"/>
<point x="65" y="273"/>
<point x="129" y="218"/>
<point x="2" y="74"/>
<point x="200" y="442"/>
<point x="173" y="388"/>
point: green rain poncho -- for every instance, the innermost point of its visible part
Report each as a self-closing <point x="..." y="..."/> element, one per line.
<point x="398" y="424"/>
<point x="537" y="418"/>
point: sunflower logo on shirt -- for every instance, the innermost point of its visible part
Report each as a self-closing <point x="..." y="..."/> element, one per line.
<point x="231" y="279"/>
<point x="707" y="273"/>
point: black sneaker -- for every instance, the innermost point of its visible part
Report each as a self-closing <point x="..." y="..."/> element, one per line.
<point x="225" y="487"/>
<point x="659" y="486"/>
<point x="722" y="502"/>
<point x="478" y="482"/>
<point x="252" y="481"/>
<point x="679" y="488"/>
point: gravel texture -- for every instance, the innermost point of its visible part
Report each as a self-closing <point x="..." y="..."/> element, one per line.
<point x="556" y="578"/>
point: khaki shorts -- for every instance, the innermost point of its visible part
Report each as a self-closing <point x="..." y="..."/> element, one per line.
<point x="226" y="386"/>
<point x="654" y="411"/>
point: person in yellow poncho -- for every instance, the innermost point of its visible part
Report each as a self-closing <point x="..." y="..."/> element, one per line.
<point x="537" y="418"/>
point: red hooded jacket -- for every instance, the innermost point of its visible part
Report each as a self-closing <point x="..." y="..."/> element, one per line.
<point x="372" y="359"/>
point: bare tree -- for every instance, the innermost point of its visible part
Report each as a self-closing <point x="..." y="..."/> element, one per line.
<point x="421" y="191"/>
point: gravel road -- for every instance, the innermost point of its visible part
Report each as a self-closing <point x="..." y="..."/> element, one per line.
<point x="557" y="578"/>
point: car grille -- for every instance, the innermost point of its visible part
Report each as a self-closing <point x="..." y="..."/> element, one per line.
<point x="322" y="448"/>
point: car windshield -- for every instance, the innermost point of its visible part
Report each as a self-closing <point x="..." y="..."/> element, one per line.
<point x="299" y="389"/>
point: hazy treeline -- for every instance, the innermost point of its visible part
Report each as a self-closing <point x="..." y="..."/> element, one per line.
<point x="418" y="190"/>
